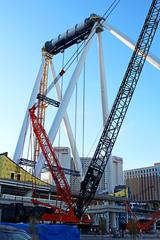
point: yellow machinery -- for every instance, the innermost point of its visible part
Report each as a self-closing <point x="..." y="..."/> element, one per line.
<point x="121" y="191"/>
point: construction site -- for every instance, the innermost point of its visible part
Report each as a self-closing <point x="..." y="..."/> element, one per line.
<point x="52" y="184"/>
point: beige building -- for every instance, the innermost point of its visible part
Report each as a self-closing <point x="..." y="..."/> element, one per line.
<point x="144" y="183"/>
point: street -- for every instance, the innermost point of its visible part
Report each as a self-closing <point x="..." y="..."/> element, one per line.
<point x="106" y="237"/>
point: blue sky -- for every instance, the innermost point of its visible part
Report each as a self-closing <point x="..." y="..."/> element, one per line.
<point x="26" y="25"/>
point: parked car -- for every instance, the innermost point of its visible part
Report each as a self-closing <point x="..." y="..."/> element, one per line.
<point x="12" y="233"/>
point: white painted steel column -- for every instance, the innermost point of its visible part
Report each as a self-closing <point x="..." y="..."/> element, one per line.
<point x="113" y="221"/>
<point x="105" y="109"/>
<point x="20" y="144"/>
<point x="76" y="159"/>
<point x="64" y="103"/>
<point x="104" y="98"/>
<point x="107" y="221"/>
<point x="155" y="61"/>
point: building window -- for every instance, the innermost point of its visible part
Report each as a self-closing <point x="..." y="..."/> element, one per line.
<point x="12" y="175"/>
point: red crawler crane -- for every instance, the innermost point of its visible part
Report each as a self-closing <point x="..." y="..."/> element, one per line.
<point x="63" y="189"/>
<point x="143" y="226"/>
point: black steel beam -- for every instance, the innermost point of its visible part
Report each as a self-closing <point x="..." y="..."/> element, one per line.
<point x="48" y="100"/>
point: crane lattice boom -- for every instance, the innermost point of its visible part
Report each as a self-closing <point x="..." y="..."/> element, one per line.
<point x="63" y="189"/>
<point x="103" y="151"/>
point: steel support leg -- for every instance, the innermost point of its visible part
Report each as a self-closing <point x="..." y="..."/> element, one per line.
<point x="64" y="103"/>
<point x="105" y="109"/>
<point x="155" y="61"/>
<point x="67" y="124"/>
<point x="20" y="144"/>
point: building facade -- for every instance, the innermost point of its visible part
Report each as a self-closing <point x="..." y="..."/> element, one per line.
<point x="144" y="183"/>
<point x="66" y="161"/>
<point x="104" y="186"/>
<point x="64" y="158"/>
